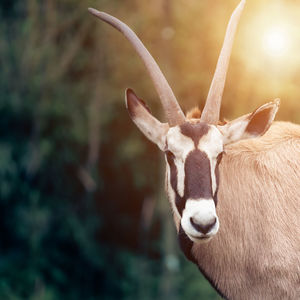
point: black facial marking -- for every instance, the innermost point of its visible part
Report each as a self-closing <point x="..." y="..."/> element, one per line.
<point x="194" y="131"/>
<point x="197" y="182"/>
<point x="179" y="201"/>
<point x="217" y="173"/>
<point x="215" y="197"/>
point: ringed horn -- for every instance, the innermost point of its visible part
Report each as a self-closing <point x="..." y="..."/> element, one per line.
<point x="171" y="107"/>
<point x="211" y="111"/>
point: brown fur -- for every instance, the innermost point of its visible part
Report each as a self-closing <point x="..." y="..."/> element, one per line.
<point x="195" y="114"/>
<point x="256" y="253"/>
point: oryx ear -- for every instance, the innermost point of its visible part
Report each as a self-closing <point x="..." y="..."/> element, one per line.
<point x="251" y="125"/>
<point x="140" y="114"/>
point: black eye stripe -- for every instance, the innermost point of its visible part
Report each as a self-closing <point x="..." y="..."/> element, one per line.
<point x="219" y="157"/>
<point x="217" y="174"/>
<point x="179" y="201"/>
<point x="170" y="155"/>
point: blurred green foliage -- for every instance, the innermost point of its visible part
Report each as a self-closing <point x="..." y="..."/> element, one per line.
<point x="73" y="169"/>
<point x="82" y="211"/>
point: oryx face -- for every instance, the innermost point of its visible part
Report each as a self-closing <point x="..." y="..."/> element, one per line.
<point x="193" y="153"/>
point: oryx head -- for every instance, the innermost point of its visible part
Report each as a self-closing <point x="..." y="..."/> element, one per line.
<point x="193" y="147"/>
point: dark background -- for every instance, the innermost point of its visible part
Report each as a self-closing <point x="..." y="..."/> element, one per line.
<point x="83" y="213"/>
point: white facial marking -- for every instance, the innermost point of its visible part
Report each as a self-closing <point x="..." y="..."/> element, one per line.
<point x="203" y="212"/>
<point x="180" y="176"/>
<point x="180" y="145"/>
<point x="212" y="145"/>
<point x="171" y="193"/>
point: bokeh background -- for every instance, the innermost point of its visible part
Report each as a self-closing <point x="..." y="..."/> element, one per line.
<point x="83" y="213"/>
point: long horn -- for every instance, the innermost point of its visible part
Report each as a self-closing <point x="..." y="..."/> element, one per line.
<point x="212" y="107"/>
<point x="171" y="107"/>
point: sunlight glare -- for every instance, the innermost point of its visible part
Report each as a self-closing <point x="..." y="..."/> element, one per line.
<point x="276" y="42"/>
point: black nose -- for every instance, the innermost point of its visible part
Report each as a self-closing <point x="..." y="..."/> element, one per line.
<point x="203" y="228"/>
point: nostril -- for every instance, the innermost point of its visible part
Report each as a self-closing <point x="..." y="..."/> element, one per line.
<point x="203" y="228"/>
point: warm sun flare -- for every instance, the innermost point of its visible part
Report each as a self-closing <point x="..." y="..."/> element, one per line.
<point x="276" y="41"/>
<point x="271" y="38"/>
